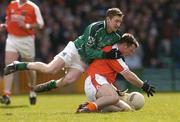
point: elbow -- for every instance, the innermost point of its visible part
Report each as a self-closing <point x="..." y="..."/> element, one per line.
<point x="41" y="26"/>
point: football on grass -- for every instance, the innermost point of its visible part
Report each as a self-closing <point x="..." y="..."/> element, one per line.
<point x="135" y="100"/>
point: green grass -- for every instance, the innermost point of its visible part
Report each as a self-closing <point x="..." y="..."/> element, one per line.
<point x="163" y="107"/>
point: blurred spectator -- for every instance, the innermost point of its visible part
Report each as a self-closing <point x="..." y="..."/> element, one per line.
<point x="150" y="53"/>
<point x="176" y="47"/>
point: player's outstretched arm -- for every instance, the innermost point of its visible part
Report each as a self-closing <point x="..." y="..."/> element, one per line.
<point x="2" y="26"/>
<point x="136" y="81"/>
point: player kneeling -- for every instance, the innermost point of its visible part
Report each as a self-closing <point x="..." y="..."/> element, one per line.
<point x="127" y="102"/>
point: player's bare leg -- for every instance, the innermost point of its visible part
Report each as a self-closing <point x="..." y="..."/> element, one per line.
<point x="9" y="58"/>
<point x="31" y="75"/>
<point x="53" y="67"/>
<point x="120" y="106"/>
<point x="104" y="92"/>
<point x="71" y="76"/>
<point x="105" y="96"/>
<point x="32" y="83"/>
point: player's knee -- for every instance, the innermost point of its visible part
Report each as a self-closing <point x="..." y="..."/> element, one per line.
<point x="69" y="79"/>
<point x="51" y="70"/>
<point x="127" y="108"/>
<point x="48" y="70"/>
<point x="115" y="99"/>
<point x="43" y="67"/>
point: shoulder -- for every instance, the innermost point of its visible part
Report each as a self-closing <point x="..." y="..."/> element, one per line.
<point x="117" y="36"/>
<point x="32" y="4"/>
<point x="107" y="48"/>
<point x="98" y="24"/>
<point x="110" y="47"/>
<point x="13" y="2"/>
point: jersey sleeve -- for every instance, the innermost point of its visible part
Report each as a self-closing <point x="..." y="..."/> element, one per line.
<point x="118" y="65"/>
<point x="39" y="18"/>
<point x="8" y="12"/>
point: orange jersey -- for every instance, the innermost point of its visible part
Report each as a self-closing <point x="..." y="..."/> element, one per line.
<point x="107" y="67"/>
<point x="27" y="13"/>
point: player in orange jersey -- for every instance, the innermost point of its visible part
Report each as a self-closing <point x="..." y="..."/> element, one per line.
<point x="99" y="85"/>
<point x="22" y="18"/>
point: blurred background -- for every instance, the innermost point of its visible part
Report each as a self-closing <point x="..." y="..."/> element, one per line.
<point x="155" y="23"/>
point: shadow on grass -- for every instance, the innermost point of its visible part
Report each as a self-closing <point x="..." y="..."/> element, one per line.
<point x="13" y="106"/>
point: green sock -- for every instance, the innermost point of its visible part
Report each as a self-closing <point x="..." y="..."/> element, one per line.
<point x="21" y="66"/>
<point x="46" y="86"/>
<point x="51" y="85"/>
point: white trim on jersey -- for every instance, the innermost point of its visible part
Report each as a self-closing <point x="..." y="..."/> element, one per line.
<point x="120" y="61"/>
<point x="39" y="18"/>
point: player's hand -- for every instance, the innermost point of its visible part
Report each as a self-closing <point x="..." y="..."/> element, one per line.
<point x="24" y="25"/>
<point x="121" y="93"/>
<point x="113" y="54"/>
<point x="150" y="90"/>
<point x="2" y="26"/>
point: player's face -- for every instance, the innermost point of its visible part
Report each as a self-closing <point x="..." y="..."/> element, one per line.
<point x="114" y="23"/>
<point x="129" y="50"/>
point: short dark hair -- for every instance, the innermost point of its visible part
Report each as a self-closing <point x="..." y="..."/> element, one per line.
<point x="111" y="12"/>
<point x="129" y="39"/>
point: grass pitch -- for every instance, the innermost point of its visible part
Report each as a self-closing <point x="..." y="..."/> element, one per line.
<point x="163" y="107"/>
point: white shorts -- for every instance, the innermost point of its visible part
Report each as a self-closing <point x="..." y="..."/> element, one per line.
<point x="71" y="57"/>
<point x="24" y="46"/>
<point x="91" y="86"/>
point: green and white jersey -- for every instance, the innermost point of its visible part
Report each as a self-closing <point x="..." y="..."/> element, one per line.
<point x="93" y="39"/>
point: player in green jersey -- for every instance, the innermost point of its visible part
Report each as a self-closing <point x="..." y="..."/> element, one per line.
<point x="79" y="54"/>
